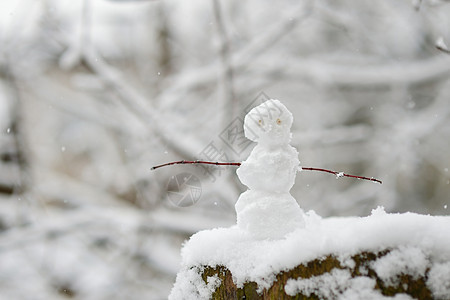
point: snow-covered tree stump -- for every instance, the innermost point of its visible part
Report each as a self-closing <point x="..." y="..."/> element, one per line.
<point x="375" y="257"/>
<point x="319" y="279"/>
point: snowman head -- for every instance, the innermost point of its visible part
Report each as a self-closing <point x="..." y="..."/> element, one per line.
<point x="269" y="123"/>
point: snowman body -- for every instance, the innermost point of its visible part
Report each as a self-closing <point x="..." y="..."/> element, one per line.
<point x="267" y="210"/>
<point x="270" y="169"/>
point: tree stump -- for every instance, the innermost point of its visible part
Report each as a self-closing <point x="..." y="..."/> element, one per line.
<point x="415" y="287"/>
<point x="406" y="256"/>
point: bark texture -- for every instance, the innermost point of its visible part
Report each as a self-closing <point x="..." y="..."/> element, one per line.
<point x="406" y="284"/>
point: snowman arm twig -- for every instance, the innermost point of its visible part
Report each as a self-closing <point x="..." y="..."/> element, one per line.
<point x="338" y="174"/>
<point x="341" y="174"/>
<point x="194" y="162"/>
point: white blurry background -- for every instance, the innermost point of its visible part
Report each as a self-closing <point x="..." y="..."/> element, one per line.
<point x="93" y="93"/>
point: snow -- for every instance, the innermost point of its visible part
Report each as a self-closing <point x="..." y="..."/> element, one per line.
<point x="418" y="242"/>
<point x="267" y="209"/>
<point x="270" y="169"/>
<point x="195" y="287"/>
<point x="269" y="123"/>
<point x="268" y="215"/>
<point x="405" y="260"/>
<point x="440" y="43"/>
<point x="439" y="280"/>
<point x="338" y="284"/>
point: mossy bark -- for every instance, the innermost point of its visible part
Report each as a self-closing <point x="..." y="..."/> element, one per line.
<point x="406" y="284"/>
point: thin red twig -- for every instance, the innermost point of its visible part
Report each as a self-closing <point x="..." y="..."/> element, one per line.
<point x="342" y="174"/>
<point x="338" y="174"/>
<point x="182" y="162"/>
<point x="440" y="48"/>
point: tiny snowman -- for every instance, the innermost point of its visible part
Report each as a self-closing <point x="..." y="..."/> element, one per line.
<point x="267" y="210"/>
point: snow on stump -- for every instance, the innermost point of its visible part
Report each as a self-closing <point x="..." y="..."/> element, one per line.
<point x="375" y="257"/>
<point x="276" y="251"/>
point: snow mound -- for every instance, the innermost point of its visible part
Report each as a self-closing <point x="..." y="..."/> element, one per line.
<point x="418" y="244"/>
